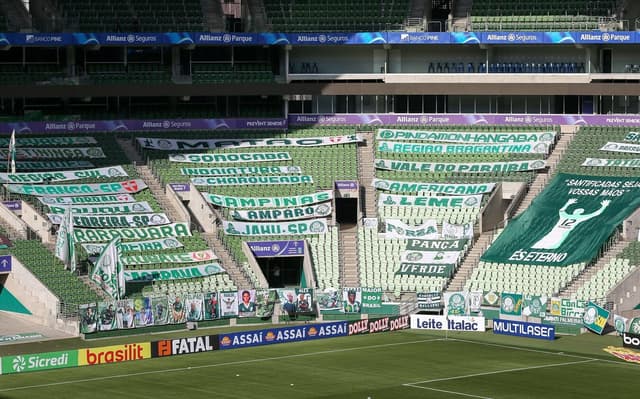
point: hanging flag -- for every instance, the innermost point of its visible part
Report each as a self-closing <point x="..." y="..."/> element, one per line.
<point x="620" y="323"/>
<point x="11" y="166"/>
<point x="65" y="242"/>
<point x="108" y="271"/>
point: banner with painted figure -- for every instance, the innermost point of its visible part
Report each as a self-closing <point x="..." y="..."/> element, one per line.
<point x="87" y="313"/>
<point x="143" y="312"/>
<point x="456" y="303"/>
<point x="183" y="257"/>
<point x="510" y="304"/>
<point x="193" y="144"/>
<point x="466" y="137"/>
<point x="107" y="316"/>
<point x="174" y="273"/>
<point x="595" y="317"/>
<point x="305" y="227"/>
<point x="194" y="305"/>
<point x="137" y="246"/>
<point x="468" y="201"/>
<point x="299" y="300"/>
<point x="125" y="314"/>
<point x="398" y="229"/>
<point x="55" y="152"/>
<point x="108" y="271"/>
<point x="432" y="188"/>
<point x="241" y="170"/>
<point x="228" y="303"/>
<point x="211" y="306"/>
<point x="35" y="177"/>
<point x="231" y="157"/>
<point x="621" y="147"/>
<point x="435" y="148"/>
<point x="47" y="141"/>
<point x="620" y="323"/>
<point x="329" y="299"/>
<point x="265" y="302"/>
<point x="69" y="190"/>
<point x="618" y="163"/>
<point x="426" y="269"/>
<point x="568" y="222"/>
<point x="216" y="181"/>
<point x="268" y="202"/>
<point x="246" y="303"/>
<point x="466" y="167"/>
<point x="82" y="235"/>
<point x="110" y="209"/>
<point x="264" y="215"/>
<point x="99" y="221"/>
<point x="89" y="199"/>
<point x="534" y="305"/>
<point x="351" y="300"/>
<point x="177" y="311"/>
<point x="452" y="231"/>
<point x="160" y="305"/>
<point x="65" y="242"/>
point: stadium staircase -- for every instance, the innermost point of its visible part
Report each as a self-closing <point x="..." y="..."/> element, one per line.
<point x="571" y="289"/>
<point x="227" y="261"/>
<point x="461" y="15"/>
<point x="258" y="21"/>
<point x="366" y="174"/>
<point x="541" y="179"/>
<point x="470" y="262"/>
<point x="157" y="190"/>
<point x="349" y="255"/>
<point x="213" y="15"/>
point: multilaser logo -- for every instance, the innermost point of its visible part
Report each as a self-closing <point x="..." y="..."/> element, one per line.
<point x="114" y="354"/>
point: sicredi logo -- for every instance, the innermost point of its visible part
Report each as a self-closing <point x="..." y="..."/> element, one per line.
<point x="630" y="340"/>
<point x="38" y="361"/>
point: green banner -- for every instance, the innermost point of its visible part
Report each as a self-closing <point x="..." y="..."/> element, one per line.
<point x="456" y="303"/>
<point x="436" y="245"/>
<point x="435" y="188"/>
<point x="267" y="202"/>
<point x="106" y="316"/>
<point x="53" y="153"/>
<point x="620" y="163"/>
<point x="429" y="300"/>
<point x="360" y="300"/>
<point x="44" y="141"/>
<point x="89" y="199"/>
<point x="534" y="305"/>
<point x="135" y="220"/>
<point x="53" y="165"/>
<point x="621" y="147"/>
<point x="571" y="310"/>
<point x="490" y="298"/>
<point x="140" y="233"/>
<point x="430" y="257"/>
<point x="251" y="180"/>
<point x="184" y="257"/>
<point x="412" y="148"/>
<point x="312" y="226"/>
<point x="192" y="144"/>
<point x="135" y="207"/>
<point x="468" y="201"/>
<point x="150" y="245"/>
<point x="241" y="170"/>
<point x="39" y="361"/>
<point x="510" y="304"/>
<point x="371" y="299"/>
<point x="88" y="315"/>
<point x="176" y="273"/>
<point x="305" y="212"/>
<point x="568" y="222"/>
<point x="398" y="229"/>
<point x="467" y="167"/>
<point x="466" y="137"/>
<point x="35" y="177"/>
<point x="595" y="317"/>
<point x="230" y="157"/>
<point x="67" y="190"/>
<point x="424" y="269"/>
<point x="632" y="136"/>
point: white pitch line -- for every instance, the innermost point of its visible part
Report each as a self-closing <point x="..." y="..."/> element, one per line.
<point x="445" y="391"/>
<point x="117" y="376"/>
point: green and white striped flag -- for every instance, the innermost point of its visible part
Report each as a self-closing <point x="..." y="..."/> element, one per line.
<point x="108" y="271"/>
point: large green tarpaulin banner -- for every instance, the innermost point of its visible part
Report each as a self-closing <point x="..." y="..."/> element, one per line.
<point x="138" y="233"/>
<point x="568" y="222"/>
<point x="267" y="202"/>
<point x="47" y="141"/>
<point x="466" y="137"/>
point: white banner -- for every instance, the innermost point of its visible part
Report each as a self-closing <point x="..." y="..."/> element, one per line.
<point x="88" y="199"/>
<point x="175" y="273"/>
<point x="68" y="190"/>
<point x="467" y="201"/>
<point x="621" y="147"/>
<point x="41" y="177"/>
<point x="55" y="153"/>
<point x="195" y="144"/>
<point x="447" y="323"/>
<point x="230" y="157"/>
<point x="267" y="202"/>
<point x="241" y="170"/>
<point x="456" y="231"/>
<point x="437" y="148"/>
<point x="398" y="229"/>
<point x="139" y="246"/>
<point x="619" y="163"/>
<point x="44" y="141"/>
<point x="467" y="167"/>
<point x="312" y="226"/>
<point x="430" y="257"/>
<point x="466" y="137"/>
<point x="108" y="272"/>
<point x="184" y="257"/>
<point x="135" y="220"/>
<point x="111" y="209"/>
<point x="136" y="233"/>
<point x="305" y="212"/>
<point x="251" y="180"/>
<point x="432" y="188"/>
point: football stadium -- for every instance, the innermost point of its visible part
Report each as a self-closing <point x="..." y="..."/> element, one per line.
<point x="319" y="199"/>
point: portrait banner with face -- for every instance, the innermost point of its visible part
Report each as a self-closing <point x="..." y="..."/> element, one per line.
<point x="194" y="304"/>
<point x="125" y="314"/>
<point x="106" y="316"/>
<point x="176" y="309"/>
<point x="329" y="299"/>
<point x="211" y="306"/>
<point x="144" y="314"/>
<point x="351" y="300"/>
<point x="160" y="306"/>
<point x="88" y="318"/>
<point x="265" y="302"/>
<point x="247" y="303"/>
<point x="228" y="304"/>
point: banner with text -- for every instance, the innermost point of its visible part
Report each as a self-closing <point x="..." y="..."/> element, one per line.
<point x="305" y="212"/>
<point x="466" y="167"/>
<point x="595" y="317"/>
<point x="398" y="229"/>
<point x="183" y="257"/>
<point x="194" y="144"/>
<point x="618" y="163"/>
<point x="138" y="246"/>
<point x="312" y="226"/>
<point x="135" y="207"/>
<point x="251" y="180"/>
<point x="175" y="273"/>
<point x="466" y="137"/>
<point x="67" y="190"/>
<point x="267" y="202"/>
<point x="621" y="147"/>
<point x="141" y="233"/>
<point x="135" y="220"/>
<point x="432" y="188"/>
<point x="466" y="201"/>
<point x="231" y="157"/>
<point x="241" y="170"/>
<point x="413" y="148"/>
<point x="55" y="153"/>
<point x="89" y="199"/>
<point x="34" y="177"/>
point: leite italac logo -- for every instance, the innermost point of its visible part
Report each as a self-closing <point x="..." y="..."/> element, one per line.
<point x="39" y="361"/>
<point x="114" y="354"/>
